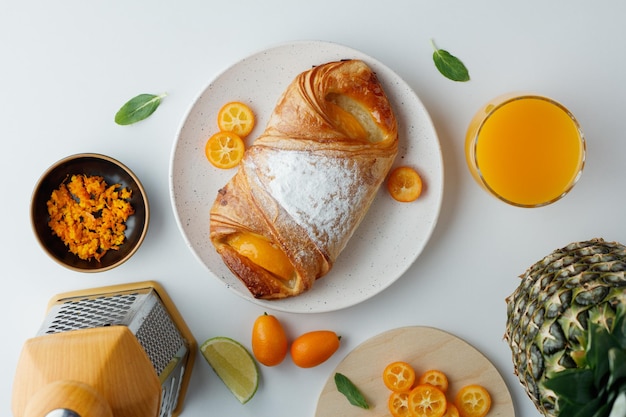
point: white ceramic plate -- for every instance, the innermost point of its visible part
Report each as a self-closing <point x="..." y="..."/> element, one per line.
<point x="391" y="236"/>
<point x="424" y="348"/>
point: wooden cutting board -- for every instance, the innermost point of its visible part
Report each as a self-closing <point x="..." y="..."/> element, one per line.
<point x="424" y="348"/>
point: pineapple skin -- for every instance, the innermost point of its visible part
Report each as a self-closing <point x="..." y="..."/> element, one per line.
<point x="547" y="314"/>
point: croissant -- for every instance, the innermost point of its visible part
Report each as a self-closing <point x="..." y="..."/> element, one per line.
<point x="307" y="182"/>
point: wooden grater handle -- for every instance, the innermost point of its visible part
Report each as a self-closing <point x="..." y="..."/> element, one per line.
<point x="76" y="396"/>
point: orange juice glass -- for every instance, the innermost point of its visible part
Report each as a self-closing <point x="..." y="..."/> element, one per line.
<point x="527" y="150"/>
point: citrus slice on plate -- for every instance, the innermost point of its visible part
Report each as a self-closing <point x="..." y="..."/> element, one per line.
<point x="404" y="184"/>
<point x="234" y="365"/>
<point x="236" y="117"/>
<point x="224" y="149"/>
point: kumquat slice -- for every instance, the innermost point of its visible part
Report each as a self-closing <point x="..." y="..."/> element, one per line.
<point x="399" y="376"/>
<point x="427" y="401"/>
<point x="473" y="401"/>
<point x="451" y="410"/>
<point x="404" y="184"/>
<point x="435" y="378"/>
<point x="236" y="117"/>
<point x="224" y="149"/>
<point x="398" y="404"/>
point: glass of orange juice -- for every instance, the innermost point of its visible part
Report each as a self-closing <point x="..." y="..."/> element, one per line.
<point x="527" y="150"/>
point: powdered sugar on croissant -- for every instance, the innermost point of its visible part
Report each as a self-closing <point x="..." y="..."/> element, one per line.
<point x="306" y="183"/>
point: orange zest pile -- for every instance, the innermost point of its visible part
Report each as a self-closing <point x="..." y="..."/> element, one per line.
<point x="426" y="395"/>
<point x="89" y="215"/>
<point x="404" y="184"/>
<point x="225" y="148"/>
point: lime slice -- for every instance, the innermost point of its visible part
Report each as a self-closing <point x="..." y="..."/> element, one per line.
<point x="234" y="364"/>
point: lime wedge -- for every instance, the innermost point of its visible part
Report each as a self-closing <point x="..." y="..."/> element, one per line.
<point x="234" y="364"/>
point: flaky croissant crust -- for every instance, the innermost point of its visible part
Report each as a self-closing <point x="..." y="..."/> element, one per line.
<point x="307" y="106"/>
<point x="306" y="145"/>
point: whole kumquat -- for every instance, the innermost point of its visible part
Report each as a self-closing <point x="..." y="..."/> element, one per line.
<point x="399" y="376"/>
<point x="269" y="340"/>
<point x="314" y="348"/>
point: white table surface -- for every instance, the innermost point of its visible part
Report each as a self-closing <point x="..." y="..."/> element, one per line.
<point x="67" y="66"/>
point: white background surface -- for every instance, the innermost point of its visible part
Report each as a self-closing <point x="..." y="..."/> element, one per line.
<point x="67" y="66"/>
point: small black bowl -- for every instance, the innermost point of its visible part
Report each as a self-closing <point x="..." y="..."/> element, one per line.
<point x="113" y="172"/>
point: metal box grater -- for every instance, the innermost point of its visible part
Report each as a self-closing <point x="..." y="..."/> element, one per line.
<point x="151" y="317"/>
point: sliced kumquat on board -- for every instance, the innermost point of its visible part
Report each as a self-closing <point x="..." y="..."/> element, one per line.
<point x="404" y="184"/>
<point x="427" y="401"/>
<point x="398" y="404"/>
<point x="224" y="149"/>
<point x="473" y="401"/>
<point x="399" y="376"/>
<point x="236" y="117"/>
<point x="435" y="378"/>
<point x="451" y="410"/>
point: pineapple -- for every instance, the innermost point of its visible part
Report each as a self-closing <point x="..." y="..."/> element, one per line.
<point x="566" y="326"/>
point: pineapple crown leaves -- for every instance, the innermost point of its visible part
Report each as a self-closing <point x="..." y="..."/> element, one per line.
<point x="598" y="388"/>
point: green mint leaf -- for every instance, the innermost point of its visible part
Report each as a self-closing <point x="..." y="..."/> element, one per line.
<point x="352" y="393"/>
<point x="448" y="65"/>
<point x="138" y="108"/>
